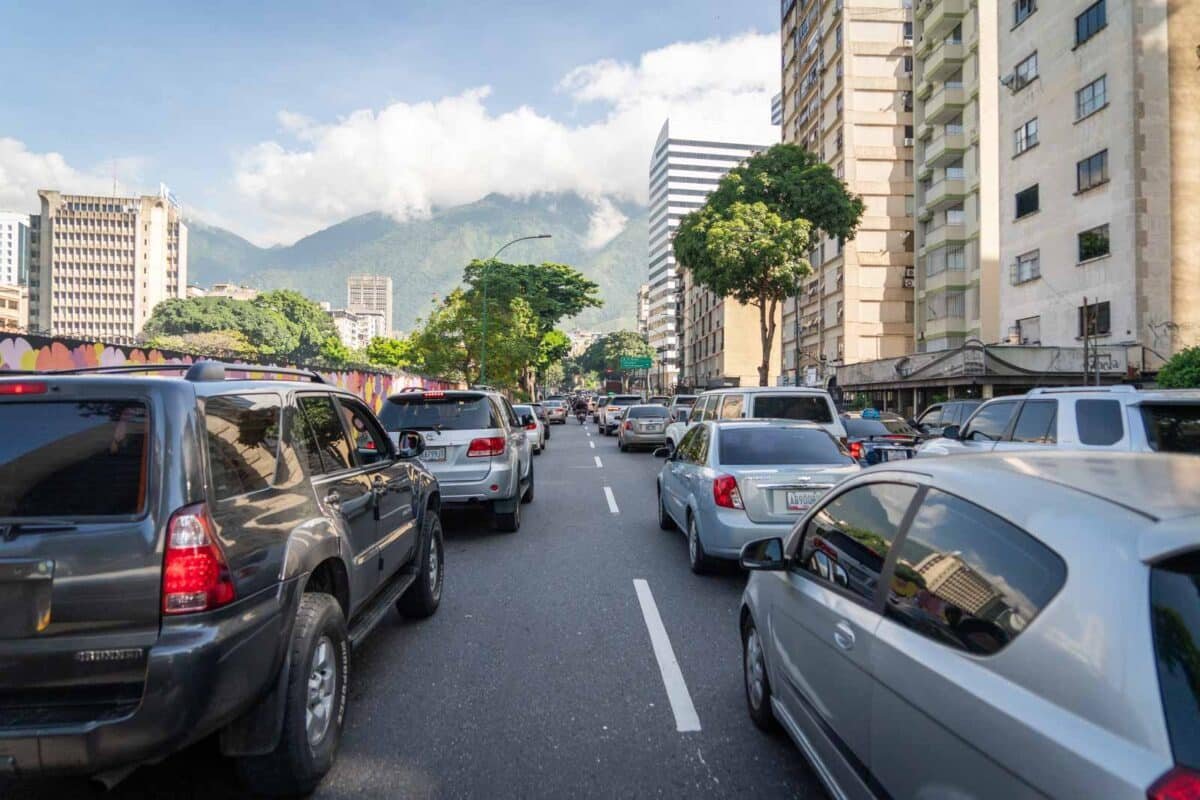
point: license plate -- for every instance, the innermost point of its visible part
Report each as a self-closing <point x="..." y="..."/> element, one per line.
<point x="894" y="455"/>
<point x="801" y="500"/>
<point x="434" y="454"/>
<point x="652" y="428"/>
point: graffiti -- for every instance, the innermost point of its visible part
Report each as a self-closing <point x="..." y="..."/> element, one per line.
<point x="42" y="354"/>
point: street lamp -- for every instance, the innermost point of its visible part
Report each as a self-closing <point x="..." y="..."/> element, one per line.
<point x="486" y="264"/>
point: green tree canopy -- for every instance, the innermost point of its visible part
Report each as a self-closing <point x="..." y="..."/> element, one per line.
<point x="334" y="353"/>
<point x="606" y="352"/>
<point x="306" y="320"/>
<point x="1182" y="371"/>
<point x="219" y="344"/>
<point x="387" y="352"/>
<point x="449" y="340"/>
<point x="553" y="291"/>
<point x="263" y="328"/>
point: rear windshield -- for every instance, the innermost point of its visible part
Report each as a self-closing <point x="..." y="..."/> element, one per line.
<point x="770" y="445"/>
<point x="877" y="427"/>
<point x="458" y="413"/>
<point x="624" y="401"/>
<point x="1175" y="616"/>
<point x="1172" y="428"/>
<point x="552" y="403"/>
<point x="685" y="399"/>
<point x="640" y="412"/>
<point x="790" y="406"/>
<point x="85" y="459"/>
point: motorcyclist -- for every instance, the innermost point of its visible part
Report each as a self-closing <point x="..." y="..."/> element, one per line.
<point x="581" y="409"/>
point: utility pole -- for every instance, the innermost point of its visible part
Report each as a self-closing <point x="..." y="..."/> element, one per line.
<point x="1086" y="325"/>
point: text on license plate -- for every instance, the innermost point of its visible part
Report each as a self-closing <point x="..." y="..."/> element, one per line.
<point x="652" y="428"/>
<point x="800" y="500"/>
<point x="434" y="454"/>
<point x="894" y="455"/>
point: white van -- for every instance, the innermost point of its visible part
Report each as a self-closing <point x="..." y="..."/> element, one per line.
<point x="763" y="402"/>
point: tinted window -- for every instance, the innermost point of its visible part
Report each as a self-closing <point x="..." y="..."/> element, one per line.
<point x="698" y="454"/>
<point x="1037" y="423"/>
<point x="753" y="446"/>
<point x="1172" y="428"/>
<point x="1099" y="421"/>
<point x="990" y="422"/>
<point x="370" y="443"/>
<point x="783" y="406"/>
<point x="1175" y="615"/>
<point x="644" y="412"/>
<point x="626" y="400"/>
<point x="863" y="428"/>
<point x="65" y="450"/>
<point x="685" y="399"/>
<point x="333" y="451"/>
<point x="848" y="540"/>
<point x="451" y="413"/>
<point x="303" y="441"/>
<point x="243" y="442"/>
<point x="932" y="416"/>
<point x="968" y="579"/>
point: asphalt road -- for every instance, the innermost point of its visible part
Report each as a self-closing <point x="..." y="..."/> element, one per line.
<point x="538" y="676"/>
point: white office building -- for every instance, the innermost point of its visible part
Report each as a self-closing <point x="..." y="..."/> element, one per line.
<point x="14" y="248"/>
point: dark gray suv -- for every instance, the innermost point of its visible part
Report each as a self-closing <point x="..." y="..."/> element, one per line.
<point x="181" y="557"/>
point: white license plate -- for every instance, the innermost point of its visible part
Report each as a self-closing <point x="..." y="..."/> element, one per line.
<point x="893" y="455"/>
<point x="801" y="500"/>
<point x="434" y="454"/>
<point x="652" y="428"/>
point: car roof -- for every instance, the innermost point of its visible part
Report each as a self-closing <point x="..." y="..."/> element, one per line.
<point x="1125" y="392"/>
<point x="759" y="422"/>
<point x="202" y="388"/>
<point x="768" y="390"/>
<point x="416" y="394"/>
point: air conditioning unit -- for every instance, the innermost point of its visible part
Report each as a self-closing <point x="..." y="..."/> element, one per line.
<point x="908" y="283"/>
<point x="908" y="142"/>
<point x="1009" y="79"/>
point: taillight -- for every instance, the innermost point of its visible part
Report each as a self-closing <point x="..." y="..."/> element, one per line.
<point x="1178" y="784"/>
<point x="23" y="387"/>
<point x="531" y="426"/>
<point x="856" y="450"/>
<point x="487" y="446"/>
<point x="725" y="492"/>
<point x="628" y="425"/>
<point x="195" y="575"/>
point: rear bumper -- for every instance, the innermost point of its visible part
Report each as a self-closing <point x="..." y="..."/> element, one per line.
<point x="201" y="675"/>
<point x="634" y="439"/>
<point x="726" y="531"/>
<point x="460" y="493"/>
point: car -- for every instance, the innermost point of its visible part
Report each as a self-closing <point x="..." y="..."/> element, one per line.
<point x="536" y="429"/>
<point x="556" y="412"/>
<point x="987" y="627"/>
<point x="642" y="426"/>
<point x="475" y="444"/>
<point x="733" y="481"/>
<point x="606" y="419"/>
<point x="1097" y="419"/>
<point x="873" y="438"/>
<point x="658" y="400"/>
<point x="189" y="556"/>
<point x="540" y="412"/>
<point x="939" y="416"/>
<point x="770" y="402"/>
<point x="679" y="404"/>
<point x="675" y="430"/>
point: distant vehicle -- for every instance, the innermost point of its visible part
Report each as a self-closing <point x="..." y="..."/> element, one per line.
<point x="876" y="439"/>
<point x="540" y="411"/>
<point x="534" y="427"/>
<point x="659" y="400"/>
<point x="798" y="403"/>
<point x="940" y="416"/>
<point x="1109" y="418"/>
<point x="733" y="481"/>
<point x="987" y="627"/>
<point x="556" y="411"/>
<point x="642" y="426"/>
<point x="680" y="403"/>
<point x="612" y="387"/>
<point x="475" y="444"/>
<point x="608" y="409"/>
<point x="189" y="557"/>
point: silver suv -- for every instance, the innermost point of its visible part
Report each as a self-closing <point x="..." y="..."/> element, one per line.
<point x="475" y="444"/>
<point x="1015" y="627"/>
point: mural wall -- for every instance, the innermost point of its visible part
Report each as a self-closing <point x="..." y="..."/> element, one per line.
<point x="40" y="354"/>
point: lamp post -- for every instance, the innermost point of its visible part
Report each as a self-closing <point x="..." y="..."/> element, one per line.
<point x="486" y="264"/>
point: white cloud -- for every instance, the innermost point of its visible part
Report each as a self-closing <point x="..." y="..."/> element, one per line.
<point x="23" y="172"/>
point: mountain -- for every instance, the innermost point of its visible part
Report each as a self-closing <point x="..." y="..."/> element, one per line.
<point x="425" y="257"/>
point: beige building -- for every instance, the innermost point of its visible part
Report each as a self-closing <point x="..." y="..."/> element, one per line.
<point x="371" y="294"/>
<point x="1100" y="175"/>
<point x="14" y="308"/>
<point x="721" y="340"/>
<point x="847" y="96"/>
<point x="643" y="310"/>
<point x="104" y="263"/>
<point x="357" y="329"/>
<point x="957" y="272"/>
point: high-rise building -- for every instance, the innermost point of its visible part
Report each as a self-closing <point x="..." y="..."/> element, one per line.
<point x="14" y="247"/>
<point x="682" y="173"/>
<point x="371" y="294"/>
<point x="957" y="237"/>
<point x="643" y="309"/>
<point x="847" y="96"/>
<point x="104" y="263"/>
<point x="1100" y="175"/>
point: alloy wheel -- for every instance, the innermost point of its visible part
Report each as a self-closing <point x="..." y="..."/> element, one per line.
<point x="755" y="673"/>
<point x="322" y="686"/>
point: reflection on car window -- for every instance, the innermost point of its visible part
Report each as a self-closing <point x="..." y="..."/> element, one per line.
<point x="243" y="441"/>
<point x="731" y="408"/>
<point x="330" y="439"/>
<point x="990" y="422"/>
<point x="1172" y="428"/>
<point x="1099" y="422"/>
<point x="370" y="443"/>
<point x="1037" y="423"/>
<point x="848" y="540"/>
<point x="968" y="579"/>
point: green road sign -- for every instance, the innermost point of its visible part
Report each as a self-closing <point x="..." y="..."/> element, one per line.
<point x="635" y="362"/>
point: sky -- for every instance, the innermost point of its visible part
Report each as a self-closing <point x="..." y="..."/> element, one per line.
<point x="276" y="119"/>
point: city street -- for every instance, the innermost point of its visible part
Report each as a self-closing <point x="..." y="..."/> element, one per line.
<point x="538" y="676"/>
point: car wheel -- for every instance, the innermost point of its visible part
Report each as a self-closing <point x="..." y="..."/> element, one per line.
<point x="670" y="445"/>
<point x="507" y="522"/>
<point x="697" y="558"/>
<point x="528" y="496"/>
<point x="624" y="448"/>
<point x="537" y="451"/>
<point x="664" y="519"/>
<point x="758" y="688"/>
<point x="422" y="598"/>
<point x="315" y="704"/>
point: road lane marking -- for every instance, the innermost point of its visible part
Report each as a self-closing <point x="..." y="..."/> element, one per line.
<point x="686" y="719"/>
<point x="612" y="501"/>
<point x="598" y="464"/>
<point x="592" y="445"/>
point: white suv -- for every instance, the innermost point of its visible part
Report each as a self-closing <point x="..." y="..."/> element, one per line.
<point x="762" y="402"/>
<point x="1079" y="418"/>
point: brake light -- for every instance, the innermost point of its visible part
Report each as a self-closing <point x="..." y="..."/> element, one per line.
<point x="1178" y="784"/>
<point x="370" y="445"/>
<point x="856" y="450"/>
<point x="725" y="492"/>
<point x="23" y="387"/>
<point x="434" y="394"/>
<point x="195" y="575"/>
<point x="487" y="446"/>
<point x="628" y="425"/>
<point x="531" y="426"/>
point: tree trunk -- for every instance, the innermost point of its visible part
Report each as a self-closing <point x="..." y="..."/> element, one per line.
<point x="764" y="365"/>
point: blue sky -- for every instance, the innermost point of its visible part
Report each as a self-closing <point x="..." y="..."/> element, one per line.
<point x="192" y="94"/>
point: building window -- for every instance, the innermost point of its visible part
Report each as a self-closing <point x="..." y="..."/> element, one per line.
<point x="1093" y="244"/>
<point x="956" y="304"/>
<point x="1097" y="316"/>
<point x="1090" y="22"/>
<point x="908" y="64"/>
<point x="1027" y="267"/>
<point x="1091" y="98"/>
<point x="1025" y="72"/>
<point x="1029" y="330"/>
<point x="908" y="30"/>
<point x="955" y="215"/>
<point x="1092" y="171"/>
<point x="1026" y="136"/>
<point x="955" y="170"/>
<point x="1027" y="201"/>
<point x="956" y="258"/>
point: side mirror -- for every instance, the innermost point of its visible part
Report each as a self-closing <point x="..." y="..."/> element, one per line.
<point x="951" y="432"/>
<point x="410" y="444"/>
<point x="662" y="452"/>
<point x="763" y="555"/>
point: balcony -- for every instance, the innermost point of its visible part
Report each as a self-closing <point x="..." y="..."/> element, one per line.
<point x="940" y="236"/>
<point x="941" y="17"/>
<point x="946" y="147"/>
<point x="945" y="103"/>
<point x="945" y="191"/>
<point x="944" y="60"/>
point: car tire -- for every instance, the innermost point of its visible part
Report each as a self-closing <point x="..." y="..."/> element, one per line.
<point x="624" y="448"/>
<point x="509" y="522"/>
<point x="320" y="652"/>
<point x="664" y="519"/>
<point x="528" y="496"/>
<point x="697" y="558"/>
<point x="422" y="598"/>
<point x="758" y="687"/>
<point x="537" y="451"/>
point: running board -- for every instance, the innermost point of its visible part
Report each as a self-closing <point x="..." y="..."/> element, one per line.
<point x="378" y="607"/>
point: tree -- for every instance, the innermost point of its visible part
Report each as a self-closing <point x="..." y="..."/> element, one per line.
<point x="218" y="344"/>
<point x="449" y="340"/>
<point x="606" y="352"/>
<point x="310" y="325"/>
<point x="553" y="291"/>
<point x="334" y="352"/>
<point x="387" y="352"/>
<point x="266" y="331"/>
<point x="1182" y="371"/>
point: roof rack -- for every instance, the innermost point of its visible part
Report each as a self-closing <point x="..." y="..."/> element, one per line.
<point x="200" y="371"/>
<point x="1113" y="388"/>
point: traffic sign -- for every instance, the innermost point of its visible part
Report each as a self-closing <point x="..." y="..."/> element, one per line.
<point x="635" y="362"/>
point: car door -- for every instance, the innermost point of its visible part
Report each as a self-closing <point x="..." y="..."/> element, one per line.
<point x="823" y="614"/>
<point x="391" y="481"/>
<point x="987" y="426"/>
<point x="675" y="477"/>
<point x="518" y="439"/>
<point x="1035" y="427"/>
<point x="343" y="489"/>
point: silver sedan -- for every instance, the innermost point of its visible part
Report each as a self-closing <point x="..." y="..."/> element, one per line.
<point x="642" y="426"/>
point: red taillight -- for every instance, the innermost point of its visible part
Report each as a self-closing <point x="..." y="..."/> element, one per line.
<point x="195" y="575"/>
<point x="897" y="437"/>
<point x="725" y="492"/>
<point x="1178" y="784"/>
<point x="488" y="446"/>
<point x="856" y="450"/>
<point x="434" y="394"/>
<point x="370" y="445"/>
<point x="628" y="425"/>
<point x="531" y="426"/>
<point x="23" y="387"/>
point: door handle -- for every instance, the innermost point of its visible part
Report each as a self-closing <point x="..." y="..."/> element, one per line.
<point x="843" y="636"/>
<point x="333" y="499"/>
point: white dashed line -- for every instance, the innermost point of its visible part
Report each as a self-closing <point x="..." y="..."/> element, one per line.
<point x="592" y="445"/>
<point x="598" y="464"/>
<point x="686" y="719"/>
<point x="612" y="501"/>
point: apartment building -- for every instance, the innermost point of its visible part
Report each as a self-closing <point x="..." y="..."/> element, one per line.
<point x="104" y="263"/>
<point x="357" y="329"/>
<point x="643" y="310"/>
<point x="722" y="340"/>
<point x="14" y="247"/>
<point x="14" y="308"/>
<point x="371" y="294"/>
<point x="1100" y="175"/>
<point x="683" y="172"/>
<point x="848" y="96"/>
<point x="957" y="238"/>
